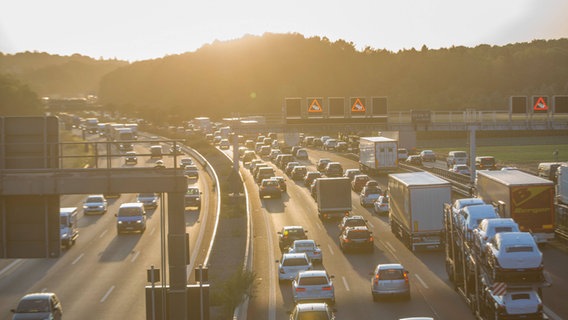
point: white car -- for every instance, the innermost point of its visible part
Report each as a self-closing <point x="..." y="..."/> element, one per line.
<point x="291" y="264"/>
<point x="312" y="310"/>
<point x="381" y="206"/>
<point x="459" y="204"/>
<point x="95" y="203"/>
<point x="514" y="255"/>
<point x="524" y="303"/>
<point x="310" y="248"/>
<point x="461" y="169"/>
<point x="488" y="228"/>
<point x="313" y="285"/>
<point x="471" y="217"/>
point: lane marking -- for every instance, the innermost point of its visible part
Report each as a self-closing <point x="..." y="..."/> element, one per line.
<point x="371" y="225"/>
<point x="152" y="231"/>
<point x="345" y="283"/>
<point x="551" y="314"/>
<point x="78" y="258"/>
<point x="135" y="256"/>
<point x="330" y="249"/>
<point x="11" y="265"/>
<point x="103" y="233"/>
<point x="107" y="294"/>
<point x="421" y="281"/>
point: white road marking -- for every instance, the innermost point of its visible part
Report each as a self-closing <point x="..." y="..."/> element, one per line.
<point x="421" y="281"/>
<point x="103" y="233"/>
<point x="135" y="256"/>
<point x="551" y="314"/>
<point x="78" y="258"/>
<point x="152" y="231"/>
<point x="107" y="294"/>
<point x="345" y="283"/>
<point x="11" y="265"/>
<point x="390" y="247"/>
<point x="371" y="225"/>
<point x="330" y="249"/>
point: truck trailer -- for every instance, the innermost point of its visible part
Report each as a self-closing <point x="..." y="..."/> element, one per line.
<point x="526" y="198"/>
<point x="415" y="206"/>
<point x="377" y="155"/>
<point x="516" y="296"/>
<point x="333" y="196"/>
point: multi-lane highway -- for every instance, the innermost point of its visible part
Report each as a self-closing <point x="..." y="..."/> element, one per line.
<point x="104" y="274"/>
<point x="432" y="293"/>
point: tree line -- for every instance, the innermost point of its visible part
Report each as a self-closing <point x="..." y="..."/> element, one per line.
<point x="254" y="74"/>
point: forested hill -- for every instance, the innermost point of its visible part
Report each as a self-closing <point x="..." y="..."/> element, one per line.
<point x="55" y="75"/>
<point x="254" y="74"/>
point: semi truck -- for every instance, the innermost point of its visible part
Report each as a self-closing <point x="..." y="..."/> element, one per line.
<point x="377" y="155"/>
<point x="526" y="198"/>
<point x="516" y="296"/>
<point x="333" y="196"/>
<point x="416" y="202"/>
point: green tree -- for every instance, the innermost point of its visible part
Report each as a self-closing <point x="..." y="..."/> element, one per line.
<point x="17" y="99"/>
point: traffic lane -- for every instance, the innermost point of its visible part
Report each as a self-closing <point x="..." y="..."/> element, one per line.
<point x="555" y="297"/>
<point x="352" y="299"/>
<point x="427" y="268"/>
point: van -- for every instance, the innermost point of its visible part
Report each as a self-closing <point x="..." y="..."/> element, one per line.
<point x="156" y="151"/>
<point x="131" y="217"/>
<point x="456" y="157"/>
<point x="548" y="170"/>
<point x="264" y="173"/>
<point x="485" y="163"/>
<point x="68" y="229"/>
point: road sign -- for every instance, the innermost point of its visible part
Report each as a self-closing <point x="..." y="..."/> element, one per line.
<point x="315" y="107"/>
<point x="358" y="106"/>
<point x="540" y="105"/>
<point x="499" y="288"/>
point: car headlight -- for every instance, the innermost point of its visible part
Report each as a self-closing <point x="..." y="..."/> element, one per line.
<point x="65" y="235"/>
<point x="138" y="221"/>
<point x="197" y="199"/>
<point x="119" y="222"/>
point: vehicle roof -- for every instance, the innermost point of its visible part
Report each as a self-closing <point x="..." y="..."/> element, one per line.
<point x="357" y="228"/>
<point x="95" y="196"/>
<point x="292" y="227"/>
<point x="38" y="295"/>
<point x="418" y="179"/>
<point x="305" y="241"/>
<point x="312" y="306"/>
<point x="514" y="177"/>
<point x="386" y="266"/>
<point x="131" y="205"/>
<point x="289" y="255"/>
<point x="499" y="221"/>
<point x="312" y="273"/>
<point x="480" y="209"/>
<point x="515" y="237"/>
<point x="377" y="139"/>
<point x="468" y="202"/>
<point x="67" y="210"/>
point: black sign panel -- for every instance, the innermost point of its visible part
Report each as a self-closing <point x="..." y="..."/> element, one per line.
<point x="519" y="105"/>
<point x="336" y="107"/>
<point x="379" y="106"/>
<point x="420" y="116"/>
<point x="560" y="104"/>
<point x="293" y="107"/>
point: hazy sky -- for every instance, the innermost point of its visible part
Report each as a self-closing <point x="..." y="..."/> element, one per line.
<point x="141" y="29"/>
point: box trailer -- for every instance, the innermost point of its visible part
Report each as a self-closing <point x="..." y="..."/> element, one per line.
<point x="377" y="154"/>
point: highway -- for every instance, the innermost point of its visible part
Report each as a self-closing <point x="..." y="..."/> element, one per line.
<point x="104" y="274"/>
<point x="432" y="293"/>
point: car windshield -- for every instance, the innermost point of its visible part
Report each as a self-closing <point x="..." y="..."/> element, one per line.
<point x="391" y="274"/>
<point x="270" y="183"/>
<point x="313" y="281"/>
<point x="93" y="200"/>
<point x="146" y="195"/>
<point x="304" y="246"/>
<point x="519" y="249"/>
<point x="129" y="212"/>
<point x="503" y="229"/>
<point x="358" y="234"/>
<point x="355" y="223"/>
<point x="33" y="305"/>
<point x="293" y="232"/>
<point x="313" y="315"/>
<point x="293" y="262"/>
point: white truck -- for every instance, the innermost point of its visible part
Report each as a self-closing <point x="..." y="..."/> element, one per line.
<point x="333" y="196"/>
<point x="562" y="187"/>
<point x="526" y="198"/>
<point x="416" y="205"/>
<point x="377" y="155"/>
<point x="68" y="228"/>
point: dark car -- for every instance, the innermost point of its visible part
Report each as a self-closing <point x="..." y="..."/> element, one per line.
<point x="130" y="158"/>
<point x="354" y="238"/>
<point x="322" y="163"/>
<point x="414" y="160"/>
<point x="310" y="177"/>
<point x="289" y="234"/>
<point x="269" y="187"/>
<point x="43" y="305"/>
<point x="334" y="169"/>
<point x="298" y="173"/>
<point x="192" y="197"/>
<point x="359" y="182"/>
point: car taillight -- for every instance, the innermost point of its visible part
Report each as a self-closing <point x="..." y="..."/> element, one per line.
<point x="406" y="277"/>
<point x="376" y="279"/>
<point x="370" y="239"/>
<point x="300" y="289"/>
<point x="347" y="240"/>
<point x="315" y="252"/>
<point x="346" y="213"/>
<point x="326" y="288"/>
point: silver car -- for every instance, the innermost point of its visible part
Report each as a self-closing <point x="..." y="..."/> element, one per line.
<point x="515" y="256"/>
<point x="44" y="305"/>
<point x="488" y="228"/>
<point x="308" y="247"/>
<point x="390" y="280"/>
<point x="95" y="203"/>
<point x="313" y="285"/>
<point x="312" y="311"/>
<point x="291" y="264"/>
